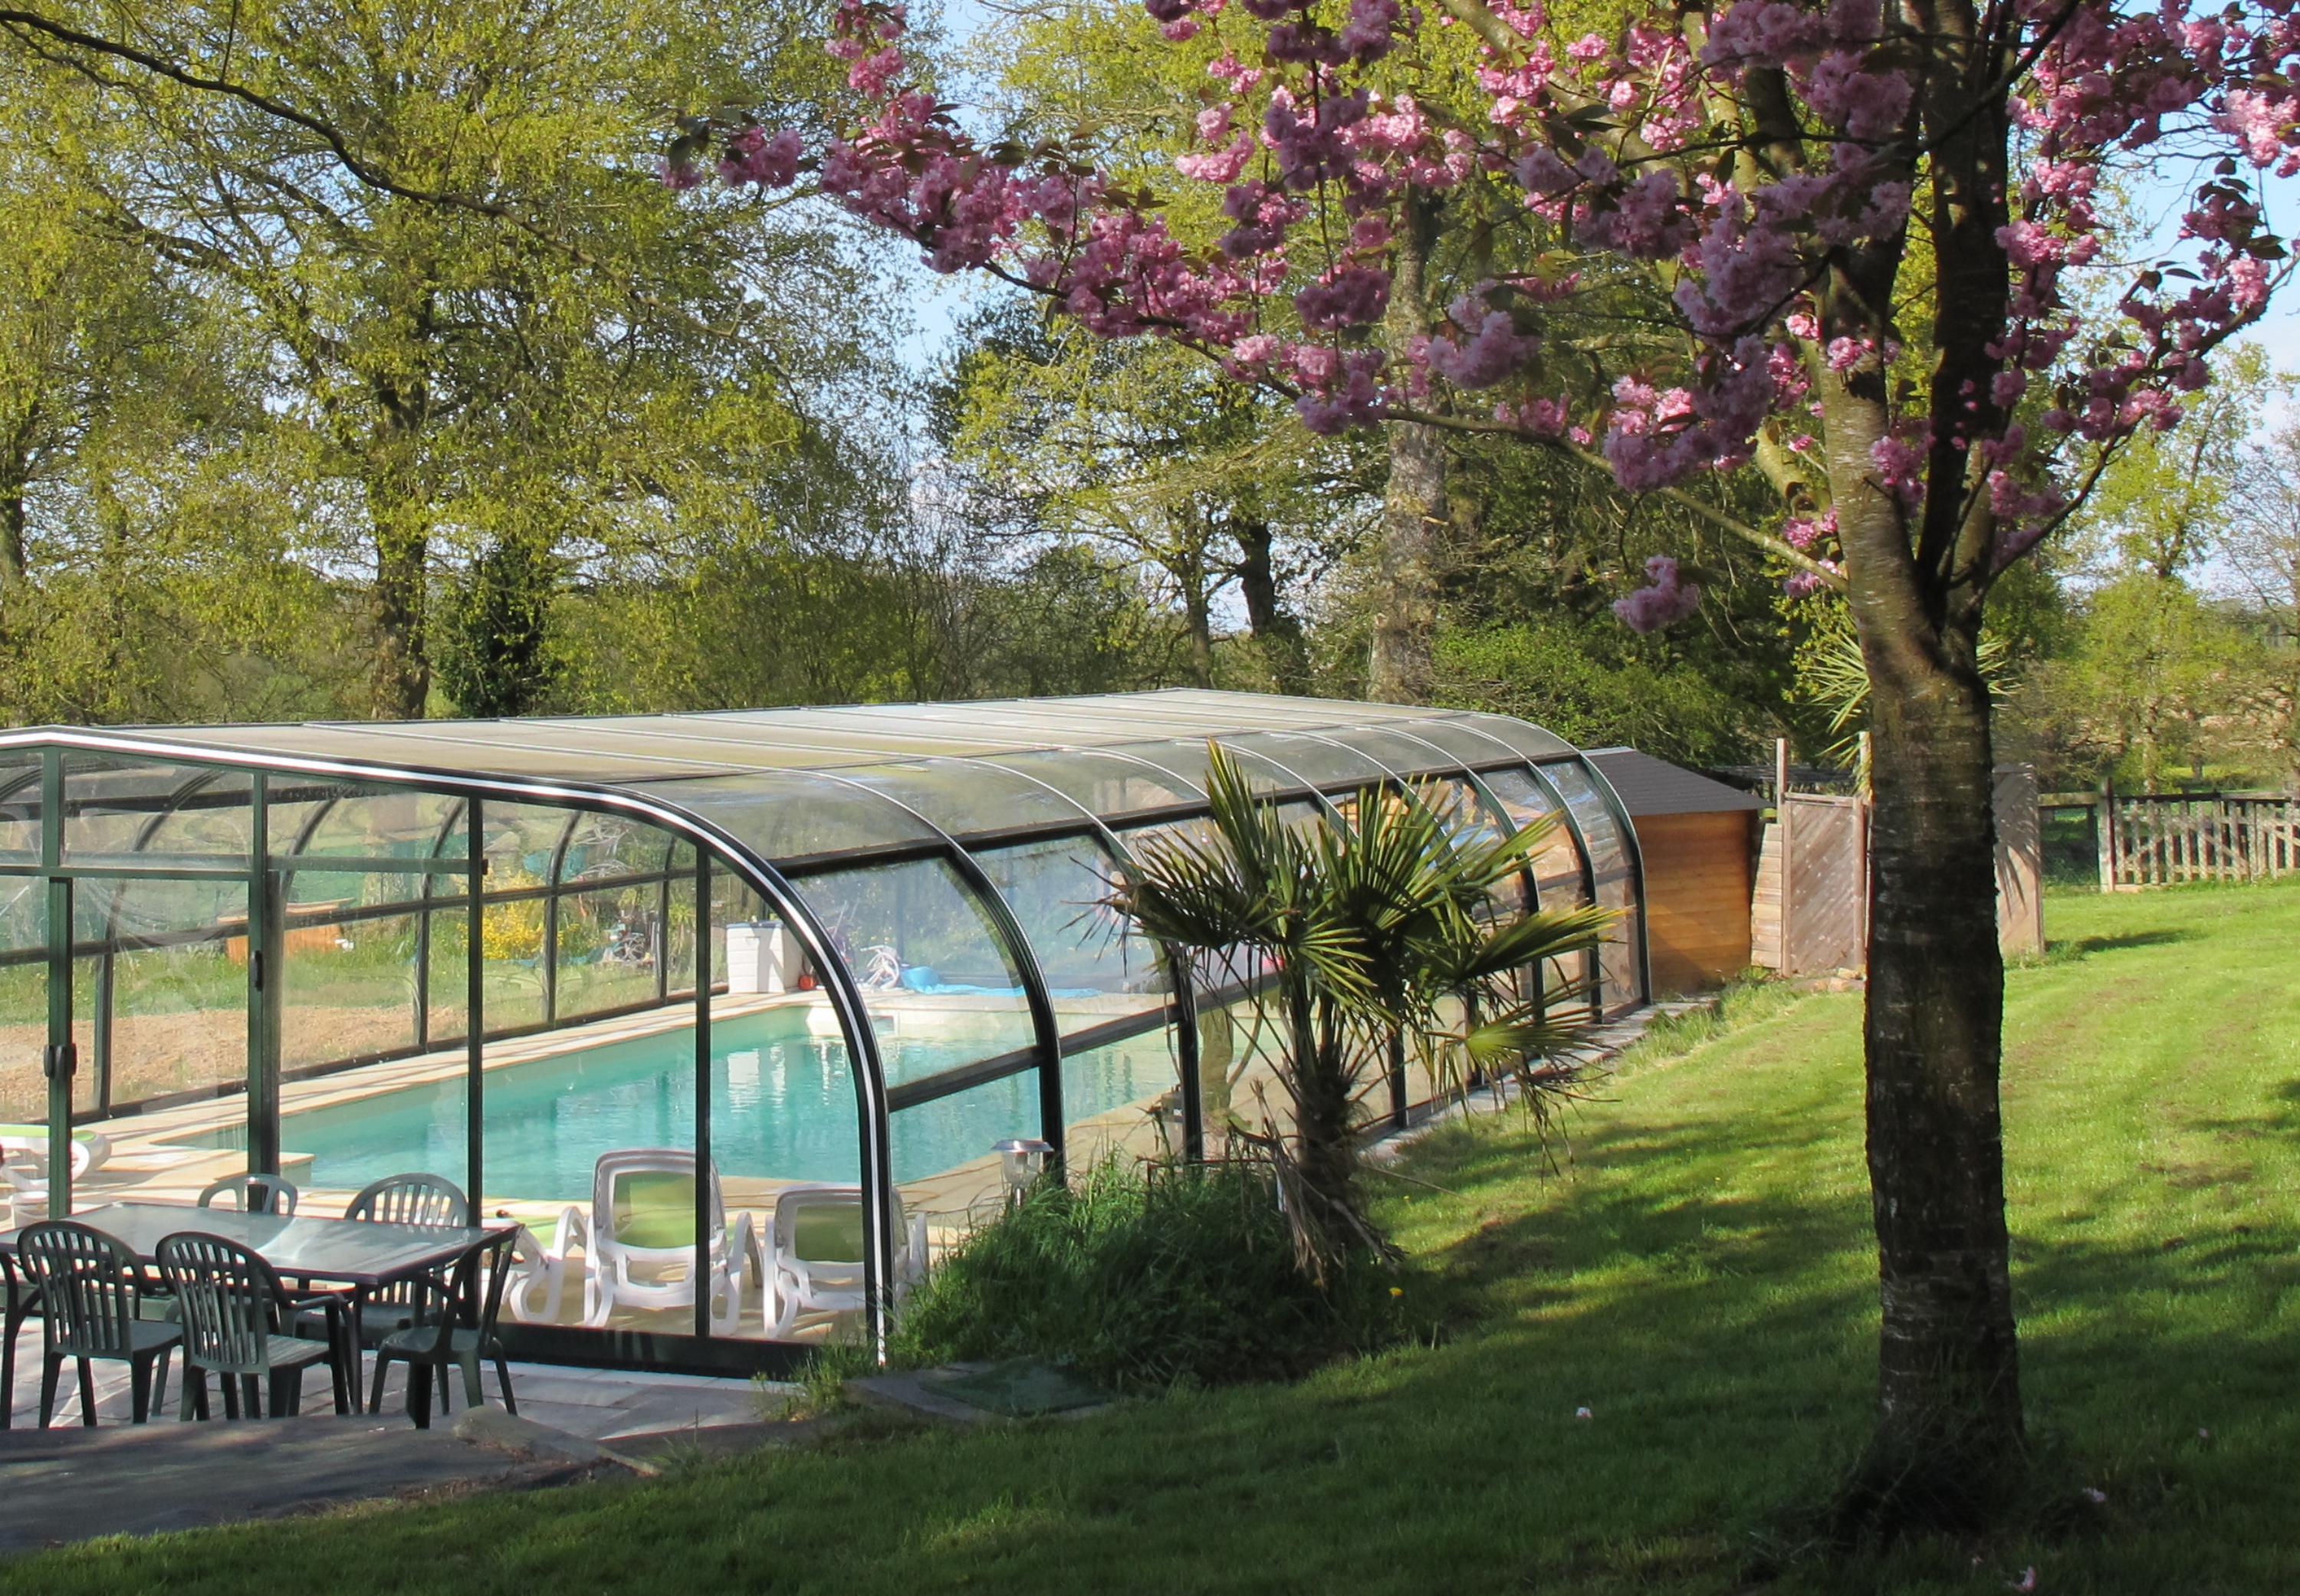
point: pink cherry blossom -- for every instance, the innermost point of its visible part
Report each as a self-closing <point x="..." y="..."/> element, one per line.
<point x="1663" y="601"/>
<point x="1625" y="141"/>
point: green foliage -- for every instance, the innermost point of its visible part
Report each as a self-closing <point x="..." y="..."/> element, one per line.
<point x="2165" y="497"/>
<point x="822" y="1382"/>
<point x="1596" y="684"/>
<point x="1141" y="1277"/>
<point x="1350" y="935"/>
<point x="2149" y="692"/>
<point x="282" y="410"/>
<point x="493" y="656"/>
<point x="1145" y="455"/>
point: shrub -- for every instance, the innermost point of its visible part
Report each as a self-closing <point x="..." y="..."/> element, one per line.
<point x="1139" y="1277"/>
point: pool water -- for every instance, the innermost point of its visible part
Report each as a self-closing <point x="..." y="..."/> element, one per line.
<point x="782" y="1106"/>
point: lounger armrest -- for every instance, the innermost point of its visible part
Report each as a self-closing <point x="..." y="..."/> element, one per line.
<point x="914" y="1262"/>
<point x="571" y="1232"/>
<point x="743" y="1246"/>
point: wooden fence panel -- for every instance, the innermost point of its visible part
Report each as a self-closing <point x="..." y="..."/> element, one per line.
<point x="2161" y="840"/>
<point x="1826" y="895"/>
<point x="1765" y="902"/>
<point x="2020" y="862"/>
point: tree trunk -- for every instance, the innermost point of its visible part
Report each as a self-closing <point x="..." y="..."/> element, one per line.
<point x="1948" y="1369"/>
<point x="1199" y="616"/>
<point x="1948" y="1440"/>
<point x="12" y="541"/>
<point x="1275" y="628"/>
<point x="1414" y="505"/>
<point x="402" y="547"/>
<point x="2292" y="739"/>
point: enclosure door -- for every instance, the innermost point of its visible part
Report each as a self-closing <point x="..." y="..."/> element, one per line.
<point x="60" y="1059"/>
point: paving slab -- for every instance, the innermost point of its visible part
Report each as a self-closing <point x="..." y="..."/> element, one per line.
<point x="66" y="1485"/>
<point x="974" y="1393"/>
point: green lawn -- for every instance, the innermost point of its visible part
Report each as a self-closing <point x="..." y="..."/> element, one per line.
<point x="1696" y="1272"/>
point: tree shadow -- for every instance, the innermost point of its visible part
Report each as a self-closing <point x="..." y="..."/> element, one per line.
<point x="2085" y="947"/>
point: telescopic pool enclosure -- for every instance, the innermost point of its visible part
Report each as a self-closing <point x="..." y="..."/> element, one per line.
<point x="824" y="956"/>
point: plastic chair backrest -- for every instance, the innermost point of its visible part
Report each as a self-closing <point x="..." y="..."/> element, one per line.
<point x="230" y="1300"/>
<point x="253" y="1194"/>
<point x="89" y="1286"/>
<point x="410" y="1199"/>
<point x="644" y="1197"/>
<point x="820" y="1225"/>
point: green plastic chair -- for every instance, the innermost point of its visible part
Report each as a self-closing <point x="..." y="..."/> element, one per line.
<point x="253" y="1194"/>
<point x="236" y="1315"/>
<point x="413" y="1198"/>
<point x="90" y="1290"/>
<point x="437" y="1340"/>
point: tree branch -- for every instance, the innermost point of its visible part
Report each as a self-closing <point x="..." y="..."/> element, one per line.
<point x="368" y="174"/>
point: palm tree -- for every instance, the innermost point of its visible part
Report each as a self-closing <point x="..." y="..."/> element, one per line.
<point x="1387" y="926"/>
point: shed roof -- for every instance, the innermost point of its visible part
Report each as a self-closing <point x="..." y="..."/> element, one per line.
<point x="1652" y="787"/>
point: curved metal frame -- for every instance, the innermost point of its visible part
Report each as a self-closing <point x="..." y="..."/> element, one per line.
<point x="759" y="875"/>
<point x="786" y="897"/>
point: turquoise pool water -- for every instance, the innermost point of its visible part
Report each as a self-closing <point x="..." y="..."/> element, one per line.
<point x="782" y="1105"/>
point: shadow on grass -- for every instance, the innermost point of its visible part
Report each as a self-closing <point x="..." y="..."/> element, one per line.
<point x="2085" y="947"/>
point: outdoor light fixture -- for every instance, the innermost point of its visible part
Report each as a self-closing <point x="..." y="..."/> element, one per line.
<point x="1022" y="1160"/>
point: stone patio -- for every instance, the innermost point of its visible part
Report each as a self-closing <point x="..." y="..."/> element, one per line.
<point x="601" y="1405"/>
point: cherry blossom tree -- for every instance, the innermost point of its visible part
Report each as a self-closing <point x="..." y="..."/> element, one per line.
<point x="1892" y="286"/>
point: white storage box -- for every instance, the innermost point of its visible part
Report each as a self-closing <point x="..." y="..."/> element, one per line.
<point x="761" y="956"/>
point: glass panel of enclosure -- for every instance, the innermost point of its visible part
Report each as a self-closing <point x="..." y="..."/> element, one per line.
<point x="1241" y="1089"/>
<point x="23" y="1017"/>
<point x="949" y="1173"/>
<point x="962" y="796"/>
<point x="1311" y="760"/>
<point x="160" y="1013"/>
<point x="1101" y="783"/>
<point x="610" y="924"/>
<point x="1111" y="992"/>
<point x="366" y="951"/>
<point x="1403" y="755"/>
<point x="785" y="1123"/>
<point x="918" y="942"/>
<point x="794" y="815"/>
<point x="353" y="958"/>
<point x="1534" y="742"/>
<point x="589" y="1127"/>
<point x="19" y="810"/>
<point x="114" y="802"/>
<point x="1186" y="759"/>
<point x="1558" y="877"/>
<point x="1610" y="862"/>
<point x="1122" y="1099"/>
<point x="945" y="1002"/>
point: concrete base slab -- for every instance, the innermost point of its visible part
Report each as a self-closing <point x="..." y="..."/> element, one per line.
<point x="66" y="1485"/>
<point x="972" y="1393"/>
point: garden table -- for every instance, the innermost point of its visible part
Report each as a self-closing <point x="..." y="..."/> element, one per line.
<point x="359" y="1255"/>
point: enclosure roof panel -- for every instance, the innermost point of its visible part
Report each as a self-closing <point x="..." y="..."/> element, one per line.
<point x="652" y="748"/>
<point x="1652" y="787"/>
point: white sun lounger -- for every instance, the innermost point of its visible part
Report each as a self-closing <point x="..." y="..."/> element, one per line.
<point x="813" y="1254"/>
<point x="638" y="1241"/>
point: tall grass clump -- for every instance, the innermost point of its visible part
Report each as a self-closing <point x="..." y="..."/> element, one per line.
<point x="1141" y="1277"/>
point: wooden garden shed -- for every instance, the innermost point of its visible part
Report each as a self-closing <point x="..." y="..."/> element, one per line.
<point x="1698" y="837"/>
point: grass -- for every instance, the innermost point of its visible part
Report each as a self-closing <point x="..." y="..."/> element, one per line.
<point x="1696" y="1270"/>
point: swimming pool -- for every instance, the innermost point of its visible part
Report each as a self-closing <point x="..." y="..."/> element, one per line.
<point x="782" y="1106"/>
